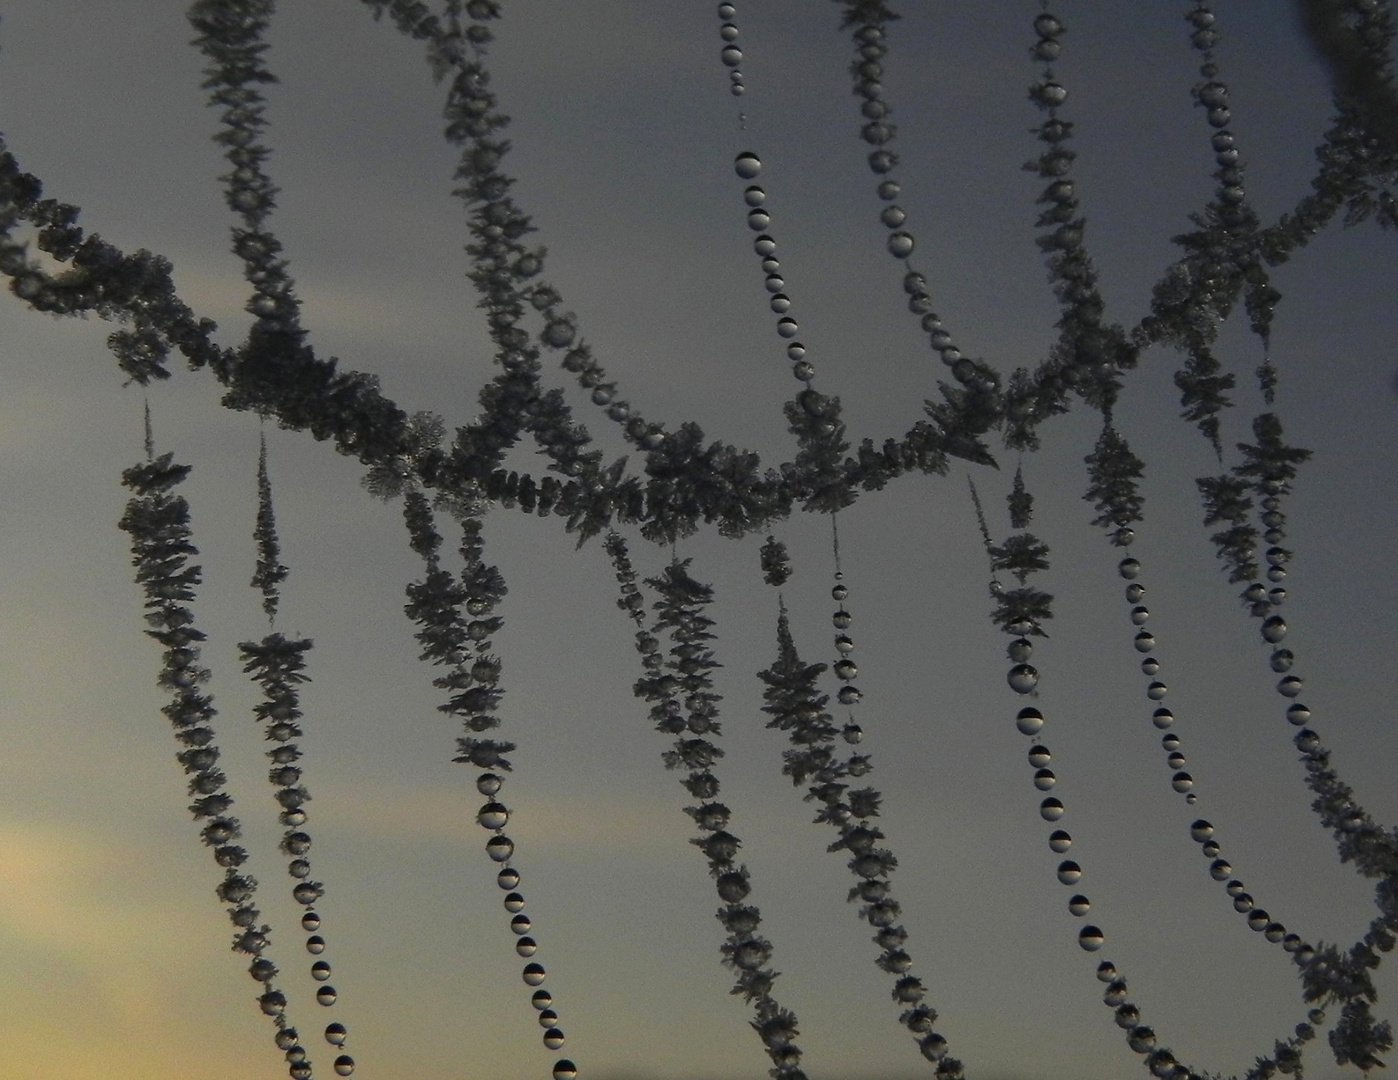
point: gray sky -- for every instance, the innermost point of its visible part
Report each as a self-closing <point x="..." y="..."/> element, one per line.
<point x="117" y="963"/>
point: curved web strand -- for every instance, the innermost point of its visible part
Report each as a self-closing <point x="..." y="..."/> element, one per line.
<point x="158" y="524"/>
<point x="455" y="621"/>
<point x="685" y="705"/>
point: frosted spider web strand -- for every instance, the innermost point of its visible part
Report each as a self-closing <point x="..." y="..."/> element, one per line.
<point x="455" y="622"/>
<point x="158" y="523"/>
<point x="796" y="706"/>
<point x="277" y="665"/>
<point x="680" y="610"/>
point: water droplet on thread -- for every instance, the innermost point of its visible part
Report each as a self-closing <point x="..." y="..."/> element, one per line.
<point x="335" y="1034"/>
<point x="1030" y="721"/>
<point x="326" y="995"/>
<point x="1059" y="841"/>
<point x="1091" y="938"/>
<point x="1079" y="905"/>
<point x="553" y="1038"/>
<point x="533" y="974"/>
<point x="564" y="1070"/>
<point x="1069" y="873"/>
<point x="1051" y="809"/>
<point x="900" y="245"/>
<point x="747" y="164"/>
<point x="344" y="1065"/>
<point x="1022" y="679"/>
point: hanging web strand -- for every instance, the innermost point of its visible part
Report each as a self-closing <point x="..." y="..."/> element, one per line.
<point x="277" y="664"/>
<point x="158" y="523"/>
<point x="797" y="707"/>
<point x="270" y="572"/>
<point x="688" y="673"/>
<point x="455" y="621"/>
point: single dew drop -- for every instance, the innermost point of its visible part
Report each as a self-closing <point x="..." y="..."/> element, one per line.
<point x="1273" y="629"/>
<point x="1091" y="938"/>
<point x="310" y="921"/>
<point x="564" y="1069"/>
<point x="758" y="220"/>
<point x="1290" y="686"/>
<point x="335" y="1034"/>
<point x="1201" y="830"/>
<point x="1134" y="592"/>
<point x="1059" y="841"/>
<point x="844" y="644"/>
<point x="1170" y="742"/>
<point x="315" y="944"/>
<point x="326" y="995"/>
<point x="1298" y="714"/>
<point x="852" y="734"/>
<point x="526" y="946"/>
<point x="541" y="1000"/>
<point x="1274" y="932"/>
<point x="1181" y="782"/>
<point x="846" y="669"/>
<point x="1220" y="870"/>
<point x="547" y="1018"/>
<point x="747" y="164"/>
<point x="1044" y="779"/>
<point x="900" y="245"/>
<point x="1277" y="595"/>
<point x="500" y="848"/>
<point x="1150" y="665"/>
<point x="520" y="924"/>
<point x="1281" y="660"/>
<point x="787" y="327"/>
<point x="1019" y="650"/>
<point x="344" y="1065"/>
<point x="1069" y="872"/>
<point x="1129" y="568"/>
<point x="1156" y="690"/>
<point x="533" y="974"/>
<point x="728" y="32"/>
<point x="1079" y="905"/>
<point x="1030" y="721"/>
<point x="1106" y="972"/>
<point x="514" y="902"/>
<point x="765" y="246"/>
<point x="1051" y="809"/>
<point x="1145" y="641"/>
<point x="840" y="592"/>
<point x="732" y="56"/>
<point x="488" y="783"/>
<point x="1139" y="614"/>
<point x="1210" y="849"/>
<point x="849" y="695"/>
<point x="1039" y="755"/>
<point x="1162" y="718"/>
<point x="780" y="303"/>
<point x="320" y="971"/>
<point x="1022" y="679"/>
<point x="507" y="878"/>
<point x="756" y="196"/>
<point x="1259" y="920"/>
<point x="726" y="11"/>
<point x="493" y="815"/>
<point x="553" y="1038"/>
<point x="893" y="216"/>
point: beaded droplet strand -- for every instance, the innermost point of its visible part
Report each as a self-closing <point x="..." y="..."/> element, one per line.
<point x="1088" y="354"/>
<point x="687" y="673"/>
<point x="277" y="665"/>
<point x="158" y="523"/>
<point x="731" y="54"/>
<point x="456" y="622"/>
<point x="961" y="416"/>
<point x="796" y="706"/>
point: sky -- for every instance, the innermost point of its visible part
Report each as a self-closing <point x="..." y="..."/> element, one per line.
<point x="116" y="959"/>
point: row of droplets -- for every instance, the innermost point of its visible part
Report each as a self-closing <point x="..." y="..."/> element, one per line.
<point x="493" y="816"/>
